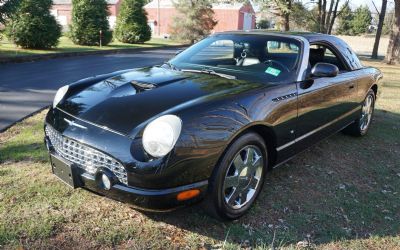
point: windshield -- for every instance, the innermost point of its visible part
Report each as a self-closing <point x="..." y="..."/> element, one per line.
<point x="262" y="58"/>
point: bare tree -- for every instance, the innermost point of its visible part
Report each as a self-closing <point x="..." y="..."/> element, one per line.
<point x="381" y="14"/>
<point x="325" y="18"/>
<point x="393" y="52"/>
<point x="327" y="12"/>
<point x="333" y="16"/>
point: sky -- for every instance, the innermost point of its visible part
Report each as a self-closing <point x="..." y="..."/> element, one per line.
<point x="356" y="3"/>
<point x="378" y="3"/>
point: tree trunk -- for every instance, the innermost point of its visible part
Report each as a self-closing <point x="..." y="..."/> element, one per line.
<point x="287" y="15"/>
<point x="328" y="18"/>
<point x="323" y="17"/>
<point x="286" y="22"/>
<point x="379" y="30"/>
<point x="319" y="18"/>
<point x="334" y="15"/>
<point x="393" y="52"/>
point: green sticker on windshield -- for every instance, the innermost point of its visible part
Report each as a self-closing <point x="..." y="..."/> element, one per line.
<point x="272" y="71"/>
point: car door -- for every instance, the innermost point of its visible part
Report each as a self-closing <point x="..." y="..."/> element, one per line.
<point x="324" y="104"/>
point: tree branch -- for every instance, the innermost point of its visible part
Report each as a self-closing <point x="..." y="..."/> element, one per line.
<point x="373" y="3"/>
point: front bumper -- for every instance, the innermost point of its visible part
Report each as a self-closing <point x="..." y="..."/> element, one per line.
<point x="145" y="199"/>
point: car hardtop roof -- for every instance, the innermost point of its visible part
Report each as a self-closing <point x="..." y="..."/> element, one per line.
<point x="310" y="36"/>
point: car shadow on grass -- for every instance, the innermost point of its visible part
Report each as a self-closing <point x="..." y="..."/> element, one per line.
<point x="342" y="188"/>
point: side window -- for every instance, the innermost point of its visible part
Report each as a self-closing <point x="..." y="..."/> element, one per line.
<point x="321" y="53"/>
<point x="281" y="47"/>
<point x="221" y="49"/>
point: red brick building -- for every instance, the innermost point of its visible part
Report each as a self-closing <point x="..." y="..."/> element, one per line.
<point x="230" y="16"/>
<point x="62" y="11"/>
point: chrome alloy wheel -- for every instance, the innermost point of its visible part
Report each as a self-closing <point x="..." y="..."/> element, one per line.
<point x="366" y="112"/>
<point x="243" y="177"/>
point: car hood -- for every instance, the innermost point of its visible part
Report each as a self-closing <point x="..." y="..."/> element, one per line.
<point x="124" y="101"/>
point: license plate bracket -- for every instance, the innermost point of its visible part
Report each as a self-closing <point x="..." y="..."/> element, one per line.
<point x="66" y="172"/>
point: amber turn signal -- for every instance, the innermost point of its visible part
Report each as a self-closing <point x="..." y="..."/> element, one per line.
<point x="186" y="195"/>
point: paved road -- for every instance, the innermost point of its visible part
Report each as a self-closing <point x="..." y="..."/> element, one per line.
<point x="28" y="87"/>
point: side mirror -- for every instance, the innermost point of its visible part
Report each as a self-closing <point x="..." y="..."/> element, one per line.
<point x="178" y="52"/>
<point x="324" y="70"/>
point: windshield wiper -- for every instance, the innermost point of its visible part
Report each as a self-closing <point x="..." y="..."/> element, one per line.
<point x="170" y="65"/>
<point x="210" y="72"/>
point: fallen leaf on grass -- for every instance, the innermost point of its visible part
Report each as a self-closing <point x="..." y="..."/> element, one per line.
<point x="304" y="244"/>
<point x="388" y="218"/>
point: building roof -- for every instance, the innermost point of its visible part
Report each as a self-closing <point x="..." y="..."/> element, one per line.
<point x="67" y="2"/>
<point x="170" y="4"/>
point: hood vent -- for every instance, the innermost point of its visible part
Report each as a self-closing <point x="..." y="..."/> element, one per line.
<point x="142" y="86"/>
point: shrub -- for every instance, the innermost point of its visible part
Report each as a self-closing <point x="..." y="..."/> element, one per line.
<point x="32" y="25"/>
<point x="131" y="24"/>
<point x="89" y="18"/>
<point x="263" y="24"/>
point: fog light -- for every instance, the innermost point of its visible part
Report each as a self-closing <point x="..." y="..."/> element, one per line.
<point x="106" y="182"/>
<point x="186" y="195"/>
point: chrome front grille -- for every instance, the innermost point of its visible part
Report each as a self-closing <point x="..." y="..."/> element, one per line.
<point x="85" y="157"/>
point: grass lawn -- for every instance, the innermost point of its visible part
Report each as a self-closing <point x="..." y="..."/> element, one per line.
<point x="343" y="193"/>
<point x="8" y="49"/>
<point x="365" y="47"/>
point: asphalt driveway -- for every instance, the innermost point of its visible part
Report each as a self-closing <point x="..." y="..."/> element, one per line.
<point x="28" y="87"/>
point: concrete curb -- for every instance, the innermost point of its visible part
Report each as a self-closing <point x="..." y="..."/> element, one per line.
<point x="2" y="130"/>
<point x="41" y="57"/>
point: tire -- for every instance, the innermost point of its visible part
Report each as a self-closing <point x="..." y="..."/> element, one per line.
<point x="238" y="178"/>
<point x="362" y="124"/>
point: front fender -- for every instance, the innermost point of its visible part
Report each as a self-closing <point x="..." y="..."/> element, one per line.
<point x="204" y="138"/>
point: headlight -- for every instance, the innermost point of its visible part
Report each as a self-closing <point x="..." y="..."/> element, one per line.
<point x="60" y="95"/>
<point x="160" y="135"/>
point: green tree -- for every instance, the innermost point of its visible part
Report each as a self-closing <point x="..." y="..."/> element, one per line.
<point x="7" y="8"/>
<point x="132" y="23"/>
<point x="345" y="26"/>
<point x="313" y="23"/>
<point x="362" y="19"/>
<point x="89" y="22"/>
<point x="32" y="25"/>
<point x="299" y="17"/>
<point x="195" y="20"/>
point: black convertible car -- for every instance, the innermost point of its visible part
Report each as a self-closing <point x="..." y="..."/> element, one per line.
<point x="211" y="122"/>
